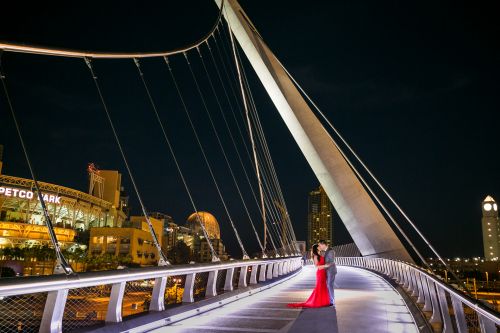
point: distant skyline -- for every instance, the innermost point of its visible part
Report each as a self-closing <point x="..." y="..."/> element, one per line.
<point x="412" y="86"/>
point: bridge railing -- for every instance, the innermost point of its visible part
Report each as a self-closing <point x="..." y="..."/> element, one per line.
<point x="434" y="296"/>
<point x="62" y="303"/>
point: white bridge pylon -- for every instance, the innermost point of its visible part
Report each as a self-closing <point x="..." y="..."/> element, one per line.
<point x="363" y="220"/>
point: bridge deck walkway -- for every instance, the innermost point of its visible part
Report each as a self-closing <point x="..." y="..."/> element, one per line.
<point x="364" y="303"/>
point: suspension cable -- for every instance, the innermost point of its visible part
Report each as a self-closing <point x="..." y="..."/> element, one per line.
<point x="62" y="266"/>
<point x="162" y="261"/>
<point x="253" y="144"/>
<point x="270" y="165"/>
<point x="202" y="97"/>
<point x="268" y="202"/>
<point x="233" y="113"/>
<point x="222" y="149"/>
<point x="171" y="149"/>
<point x="184" y="106"/>
<point x="371" y="174"/>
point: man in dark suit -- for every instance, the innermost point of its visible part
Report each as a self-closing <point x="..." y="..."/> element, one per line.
<point x="331" y="268"/>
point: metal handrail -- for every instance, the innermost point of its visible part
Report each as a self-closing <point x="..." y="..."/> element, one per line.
<point x="57" y="287"/>
<point x="47" y="283"/>
<point x="431" y="292"/>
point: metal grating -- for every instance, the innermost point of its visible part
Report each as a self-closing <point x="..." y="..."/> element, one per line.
<point x="200" y="285"/>
<point x="174" y="290"/>
<point x="137" y="297"/>
<point x="86" y="307"/>
<point x="22" y="313"/>
<point x="472" y="319"/>
<point x="221" y="279"/>
<point x="236" y="277"/>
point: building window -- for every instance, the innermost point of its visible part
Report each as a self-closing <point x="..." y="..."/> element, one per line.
<point x="98" y="239"/>
<point x="111" y="239"/>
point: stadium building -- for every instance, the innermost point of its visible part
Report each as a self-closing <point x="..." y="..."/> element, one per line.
<point x="22" y="223"/>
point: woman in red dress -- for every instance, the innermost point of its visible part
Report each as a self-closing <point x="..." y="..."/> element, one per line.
<point x="320" y="296"/>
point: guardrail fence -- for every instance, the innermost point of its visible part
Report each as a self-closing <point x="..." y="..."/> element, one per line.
<point x="63" y="303"/>
<point x="450" y="310"/>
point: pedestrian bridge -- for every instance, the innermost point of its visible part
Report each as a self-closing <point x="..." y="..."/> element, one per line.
<point x="372" y="295"/>
<point x="365" y="302"/>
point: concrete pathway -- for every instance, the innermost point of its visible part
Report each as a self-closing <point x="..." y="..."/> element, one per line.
<point x="364" y="303"/>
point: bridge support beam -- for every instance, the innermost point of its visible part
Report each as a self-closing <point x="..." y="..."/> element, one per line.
<point x="158" y="295"/>
<point x="228" y="285"/>
<point x="114" y="314"/>
<point x="242" y="282"/>
<point x="53" y="311"/>
<point x="253" y="275"/>
<point x="262" y="274"/>
<point x="212" y="283"/>
<point x="187" y="296"/>
<point x="276" y="269"/>
<point x="269" y="274"/>
<point x="280" y="268"/>
<point x="364" y="221"/>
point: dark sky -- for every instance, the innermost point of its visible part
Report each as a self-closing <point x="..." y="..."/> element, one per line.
<point x="412" y="85"/>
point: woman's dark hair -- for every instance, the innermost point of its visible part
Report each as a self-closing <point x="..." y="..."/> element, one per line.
<point x="315" y="251"/>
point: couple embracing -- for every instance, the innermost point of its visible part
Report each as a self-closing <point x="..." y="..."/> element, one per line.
<point x="323" y="293"/>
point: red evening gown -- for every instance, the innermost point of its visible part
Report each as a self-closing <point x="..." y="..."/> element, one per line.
<point x="320" y="296"/>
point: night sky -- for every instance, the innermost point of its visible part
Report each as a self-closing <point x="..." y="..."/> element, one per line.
<point x="413" y="86"/>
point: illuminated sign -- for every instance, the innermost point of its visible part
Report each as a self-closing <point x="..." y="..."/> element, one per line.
<point x="23" y="194"/>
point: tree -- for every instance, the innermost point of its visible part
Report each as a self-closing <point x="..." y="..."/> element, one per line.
<point x="180" y="253"/>
<point x="7" y="272"/>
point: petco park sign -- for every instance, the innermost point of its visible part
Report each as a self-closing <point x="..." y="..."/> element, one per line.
<point x="23" y="194"/>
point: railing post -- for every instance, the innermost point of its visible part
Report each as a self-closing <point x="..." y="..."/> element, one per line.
<point x="286" y="267"/>
<point x="212" y="283"/>
<point x="262" y="274"/>
<point x="276" y="269"/>
<point x="421" y="293"/>
<point x="269" y="275"/>
<point x="425" y="287"/>
<point x="280" y="268"/>
<point x="395" y="266"/>
<point x="242" y="282"/>
<point x="114" y="314"/>
<point x="413" y="283"/>
<point x="228" y="284"/>
<point x="460" y="320"/>
<point x="158" y="295"/>
<point x="54" y="311"/>
<point x="187" y="296"/>
<point x="253" y="275"/>
<point x="406" y="273"/>
<point x="397" y="269"/>
<point x="445" y="312"/>
<point x="436" y="316"/>
<point x="486" y="325"/>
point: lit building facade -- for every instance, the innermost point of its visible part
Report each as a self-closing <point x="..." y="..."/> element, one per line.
<point x="132" y="239"/>
<point x="22" y="222"/>
<point x="320" y="217"/>
<point x="490" y="226"/>
<point x="200" y="248"/>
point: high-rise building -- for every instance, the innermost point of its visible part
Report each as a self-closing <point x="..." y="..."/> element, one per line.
<point x="320" y="217"/>
<point x="490" y="225"/>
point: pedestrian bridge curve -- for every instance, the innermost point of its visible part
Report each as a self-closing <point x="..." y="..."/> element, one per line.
<point x="365" y="302"/>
